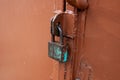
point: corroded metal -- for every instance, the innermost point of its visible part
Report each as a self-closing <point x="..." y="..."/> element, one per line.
<point x="57" y="50"/>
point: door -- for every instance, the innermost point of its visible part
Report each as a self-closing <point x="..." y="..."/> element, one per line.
<point x="94" y="53"/>
<point x="102" y="39"/>
<point x="24" y="34"/>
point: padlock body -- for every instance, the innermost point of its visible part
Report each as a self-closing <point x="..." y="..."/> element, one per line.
<point x="57" y="51"/>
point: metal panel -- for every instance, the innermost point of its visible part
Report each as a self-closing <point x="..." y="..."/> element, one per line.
<point x="24" y="33"/>
<point x="97" y="41"/>
<point x="102" y="39"/>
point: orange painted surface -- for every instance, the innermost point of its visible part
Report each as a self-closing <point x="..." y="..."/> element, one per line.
<point x="24" y="34"/>
<point x="102" y="40"/>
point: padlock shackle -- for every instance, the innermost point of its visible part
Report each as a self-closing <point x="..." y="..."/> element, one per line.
<point x="52" y="30"/>
<point x="61" y="33"/>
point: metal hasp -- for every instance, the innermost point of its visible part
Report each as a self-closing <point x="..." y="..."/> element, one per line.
<point x="54" y="22"/>
<point x="80" y="4"/>
<point x="57" y="50"/>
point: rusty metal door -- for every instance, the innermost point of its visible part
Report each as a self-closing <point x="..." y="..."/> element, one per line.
<point x="95" y="49"/>
<point x="24" y="29"/>
<point x="24" y="34"/>
<point x="102" y="39"/>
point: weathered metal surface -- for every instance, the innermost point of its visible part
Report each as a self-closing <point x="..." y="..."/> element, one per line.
<point x="102" y="39"/>
<point x="24" y="33"/>
<point x="24" y="29"/>
<point x="97" y="44"/>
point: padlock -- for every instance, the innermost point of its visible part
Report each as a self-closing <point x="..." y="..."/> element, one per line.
<point x="56" y="49"/>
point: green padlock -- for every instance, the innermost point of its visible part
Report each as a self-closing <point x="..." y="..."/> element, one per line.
<point x="57" y="50"/>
